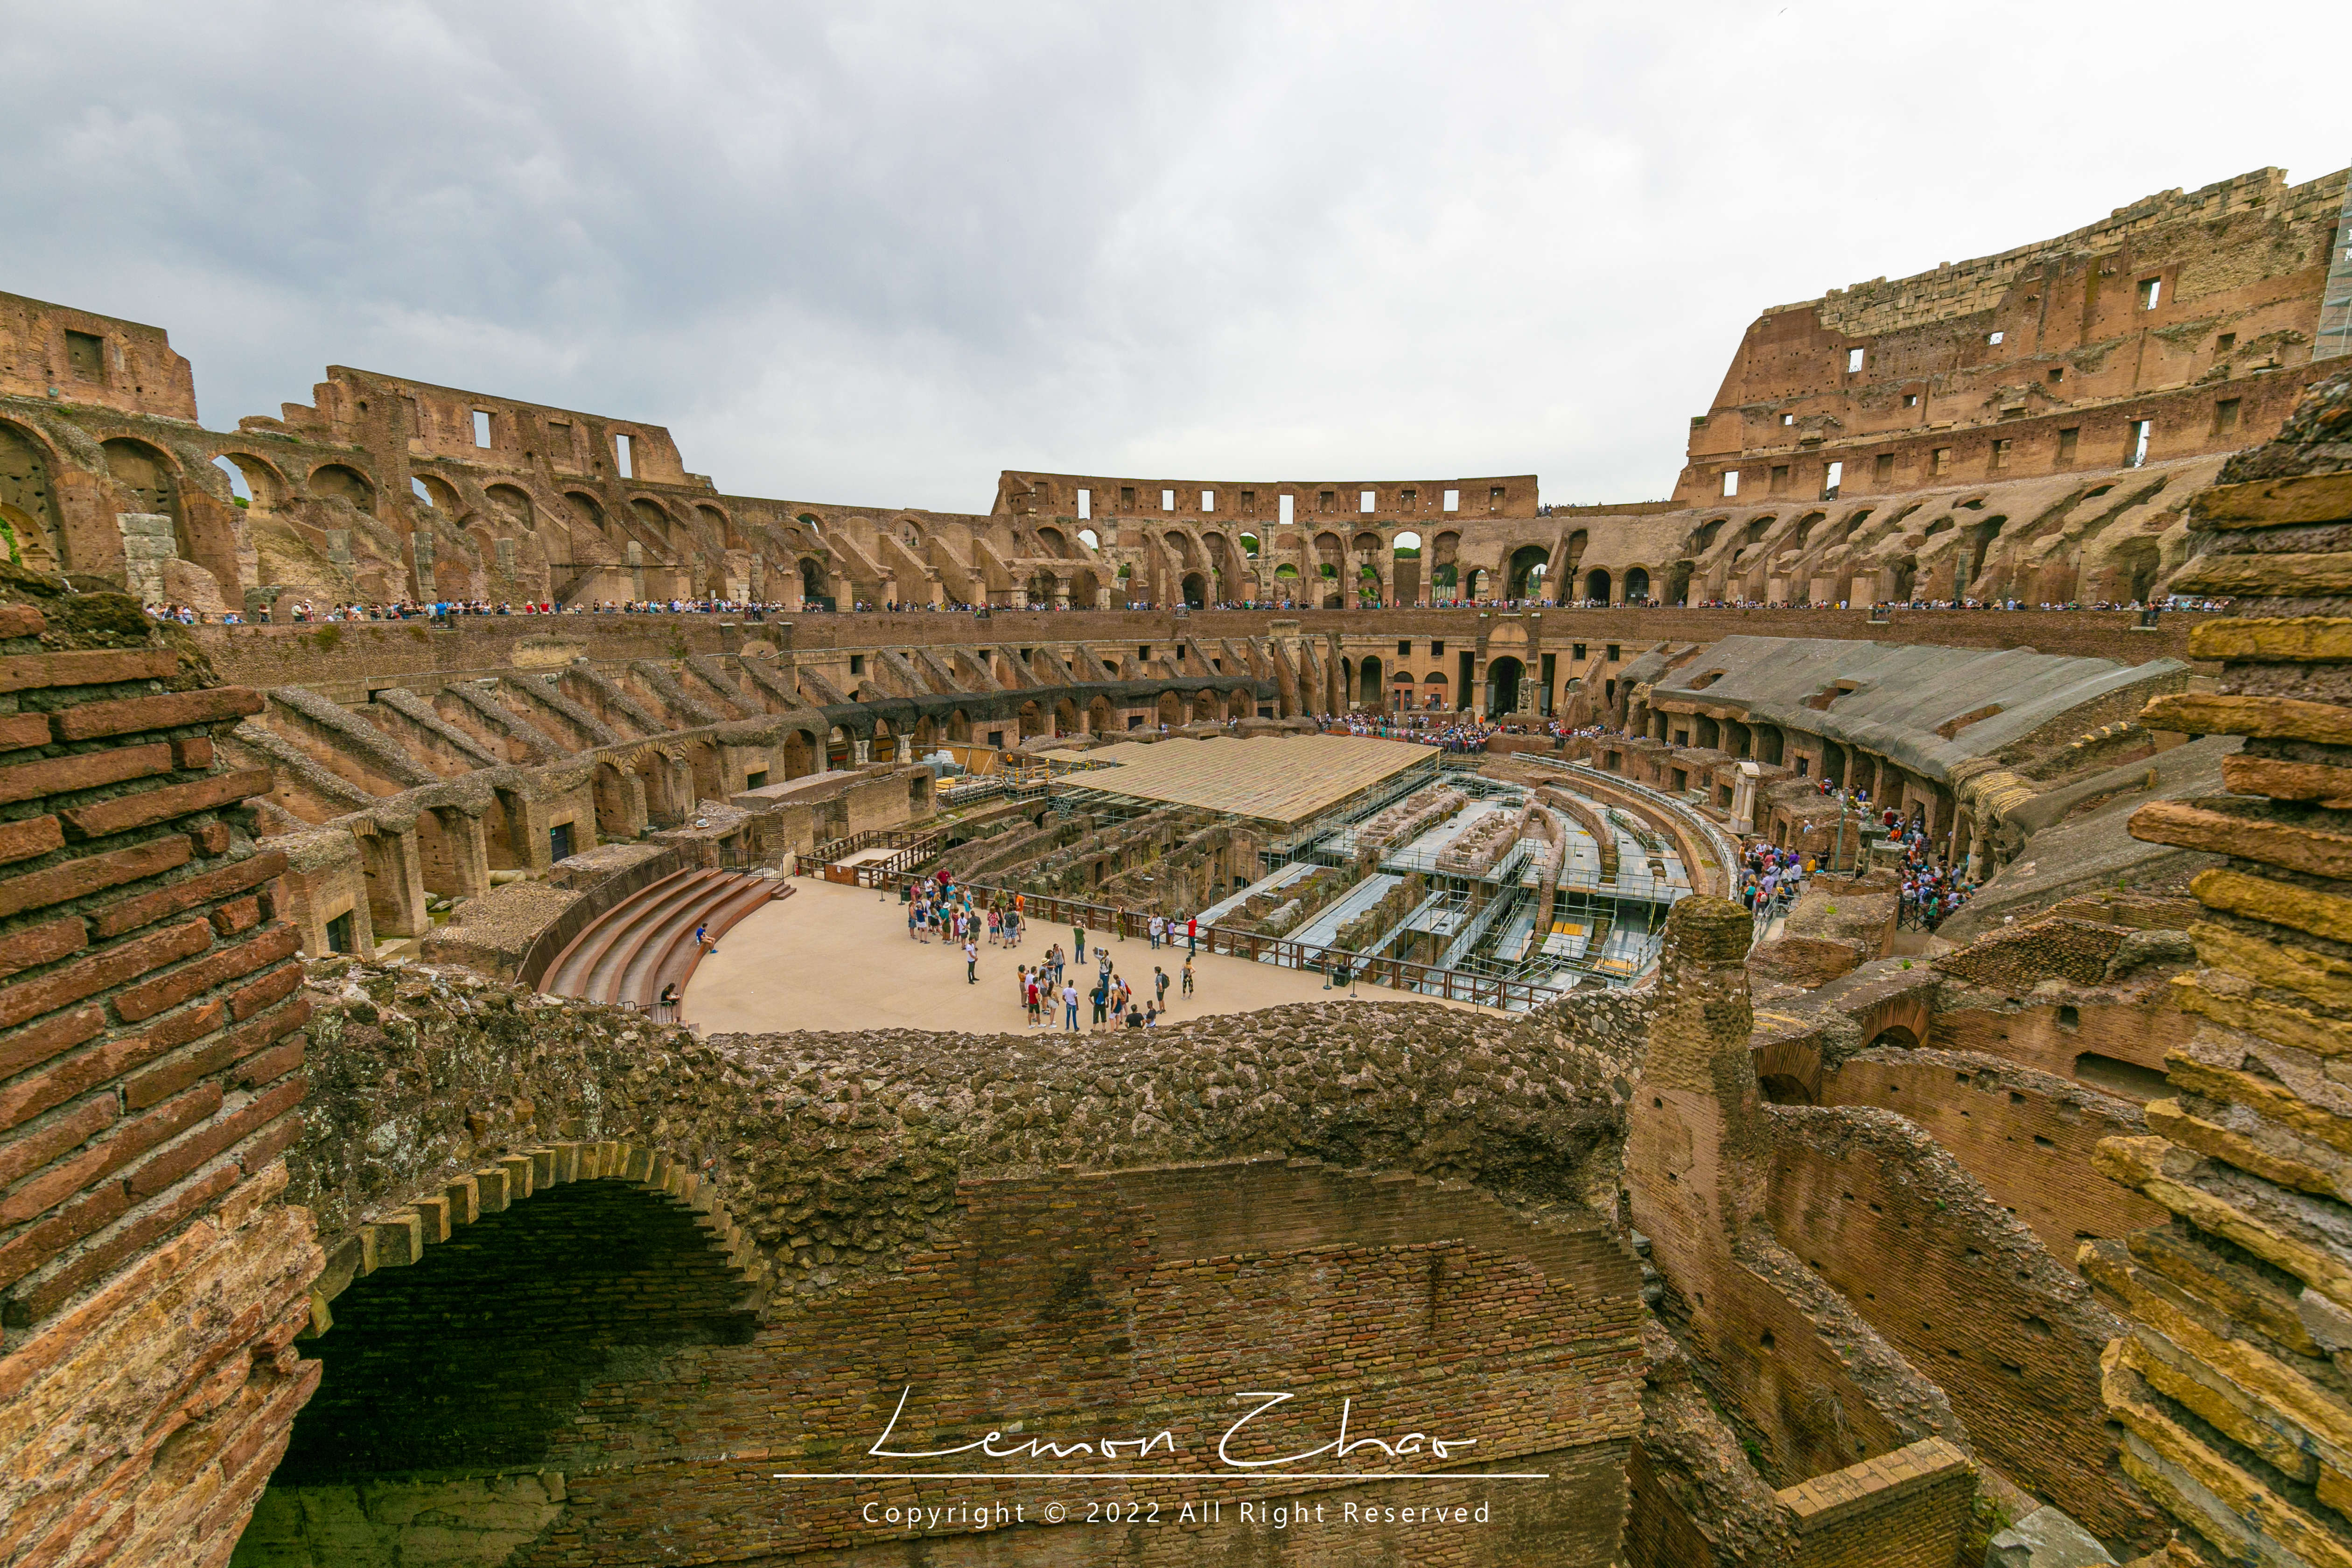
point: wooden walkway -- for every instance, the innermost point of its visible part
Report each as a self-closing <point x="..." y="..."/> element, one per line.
<point x="1282" y="779"/>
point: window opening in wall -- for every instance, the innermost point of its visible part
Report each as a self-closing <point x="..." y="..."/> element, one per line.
<point x="1167" y="500"/>
<point x="558" y="443"/>
<point x="1092" y="539"/>
<point x="482" y="429"/>
<point x="1780" y="480"/>
<point x="1207" y="500"/>
<point x="1832" y="481"/>
<point x="2000" y="452"/>
<point x="1451" y="500"/>
<point x="2225" y="415"/>
<point x="1804" y="765"/>
<point x="1285" y="507"/>
<point x="423" y="494"/>
<point x="1882" y="466"/>
<point x="1939" y="459"/>
<point x="1495" y="498"/>
<point x="1614" y="655"/>
<point x="1249" y="545"/>
<point x="1437" y="649"/>
<point x="2225" y="343"/>
<point x="1085" y="504"/>
<point x="1367" y="499"/>
<point x="1731" y="481"/>
<point x="1910" y="400"/>
<point x="2149" y="288"/>
<point x="1993" y="337"/>
<point x="624" y="458"/>
<point x="1407" y="499"/>
<point x="856" y="664"/>
<point x="756" y="779"/>
<point x="338" y="933"/>
<point x="2135" y="436"/>
<point x="1143" y="651"/>
<point x="559" y="841"/>
<point x="1326" y="500"/>
<point x="2057" y="373"/>
<point x="1126" y="498"/>
<point x="1249" y="503"/>
<point x="1853" y="360"/>
<point x="1404" y="645"/>
<point x="86" y="356"/>
<point x="2066" y="439"/>
<point x="1788" y="420"/>
<point x="1576" y="652"/>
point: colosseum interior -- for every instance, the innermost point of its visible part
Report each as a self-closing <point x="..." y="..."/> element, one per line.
<point x="471" y="1091"/>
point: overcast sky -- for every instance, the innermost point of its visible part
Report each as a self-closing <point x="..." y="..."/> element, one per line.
<point x="877" y="253"/>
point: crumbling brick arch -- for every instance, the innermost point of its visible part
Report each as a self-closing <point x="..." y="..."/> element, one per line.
<point x="342" y="481"/>
<point x="28" y="507"/>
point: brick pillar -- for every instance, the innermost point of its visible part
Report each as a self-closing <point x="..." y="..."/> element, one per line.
<point x="149" y="1073"/>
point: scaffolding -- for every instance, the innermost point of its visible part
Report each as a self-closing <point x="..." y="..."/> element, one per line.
<point x="2334" y="338"/>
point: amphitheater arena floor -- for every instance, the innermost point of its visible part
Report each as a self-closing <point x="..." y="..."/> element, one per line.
<point x="838" y="958"/>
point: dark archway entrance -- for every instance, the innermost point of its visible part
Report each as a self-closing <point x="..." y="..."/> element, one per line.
<point x="1526" y="570"/>
<point x="1503" y="676"/>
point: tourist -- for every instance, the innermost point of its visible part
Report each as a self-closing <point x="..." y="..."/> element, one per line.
<point x="970" y="962"/>
<point x="1191" y="937"/>
<point x="1070" y="1004"/>
<point x="1158" y="925"/>
<point x="1102" y="1000"/>
<point x="1159" y="983"/>
<point x="1188" y="974"/>
<point x="702" y="939"/>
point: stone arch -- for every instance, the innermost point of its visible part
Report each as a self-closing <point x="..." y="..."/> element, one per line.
<point x="1171" y="709"/>
<point x="1503" y="678"/>
<point x="1031" y="719"/>
<point x="343" y="481"/>
<point x="399" y="1395"/>
<point x="1195" y="589"/>
<point x="1065" y="716"/>
<point x="655" y="517"/>
<point x="1368" y="681"/>
<point x="721" y="526"/>
<point x="1051" y="541"/>
<point x="437" y="492"/>
<point x="1597" y="584"/>
<point x="1101" y="717"/>
<point x="591" y="510"/>
<point x="813" y="583"/>
<point x="1637" y="585"/>
<point x="28" y="507"/>
<point x="1041" y="587"/>
<point x="267" y="485"/>
<point x="1525" y="572"/>
<point x="513" y="503"/>
<point x="959" y="726"/>
<point x="800" y="752"/>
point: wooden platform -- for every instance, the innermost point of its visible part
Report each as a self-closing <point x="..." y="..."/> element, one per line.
<point x="1282" y="779"/>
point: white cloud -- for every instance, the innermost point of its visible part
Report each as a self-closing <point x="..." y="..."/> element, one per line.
<point x="877" y="252"/>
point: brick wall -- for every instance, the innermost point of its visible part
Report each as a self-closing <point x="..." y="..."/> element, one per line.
<point x="2029" y="1137"/>
<point x="1882" y="1214"/>
<point x="150" y="1279"/>
<point x="1909" y="1508"/>
<point x="1080" y="1305"/>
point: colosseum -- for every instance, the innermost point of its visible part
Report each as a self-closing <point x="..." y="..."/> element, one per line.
<point x="555" y="1014"/>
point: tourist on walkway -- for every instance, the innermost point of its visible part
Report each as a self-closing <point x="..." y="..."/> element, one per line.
<point x="970" y="962"/>
<point x="1159" y="984"/>
<point x="1070" y="1004"/>
<point x="1192" y="936"/>
<point x="1102" y="1000"/>
<point x="1158" y="925"/>
<point x="1188" y="975"/>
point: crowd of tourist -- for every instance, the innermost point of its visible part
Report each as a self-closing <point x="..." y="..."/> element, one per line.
<point x="966" y="920"/>
<point x="1771" y="878"/>
<point x="447" y="609"/>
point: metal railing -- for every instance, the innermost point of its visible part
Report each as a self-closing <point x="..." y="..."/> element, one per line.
<point x="1342" y="966"/>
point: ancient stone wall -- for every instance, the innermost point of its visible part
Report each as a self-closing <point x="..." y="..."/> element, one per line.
<point x="149" y="1074"/>
<point x="2230" y="1383"/>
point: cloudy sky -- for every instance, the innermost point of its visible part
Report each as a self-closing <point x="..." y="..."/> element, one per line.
<point x="875" y="253"/>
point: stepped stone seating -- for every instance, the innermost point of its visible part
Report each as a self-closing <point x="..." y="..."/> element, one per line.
<point x="646" y="942"/>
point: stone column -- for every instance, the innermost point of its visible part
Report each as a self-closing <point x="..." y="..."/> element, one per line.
<point x="634" y="555"/>
<point x="861" y="752"/>
<point x="420" y="547"/>
<point x="147" y="543"/>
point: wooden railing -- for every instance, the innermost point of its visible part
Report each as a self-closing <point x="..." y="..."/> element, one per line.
<point x="912" y="846"/>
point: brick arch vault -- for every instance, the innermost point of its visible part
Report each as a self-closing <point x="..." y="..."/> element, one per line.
<point x="591" y="1284"/>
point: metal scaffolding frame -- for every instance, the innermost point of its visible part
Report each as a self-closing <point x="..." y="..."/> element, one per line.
<point x="2334" y="338"/>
